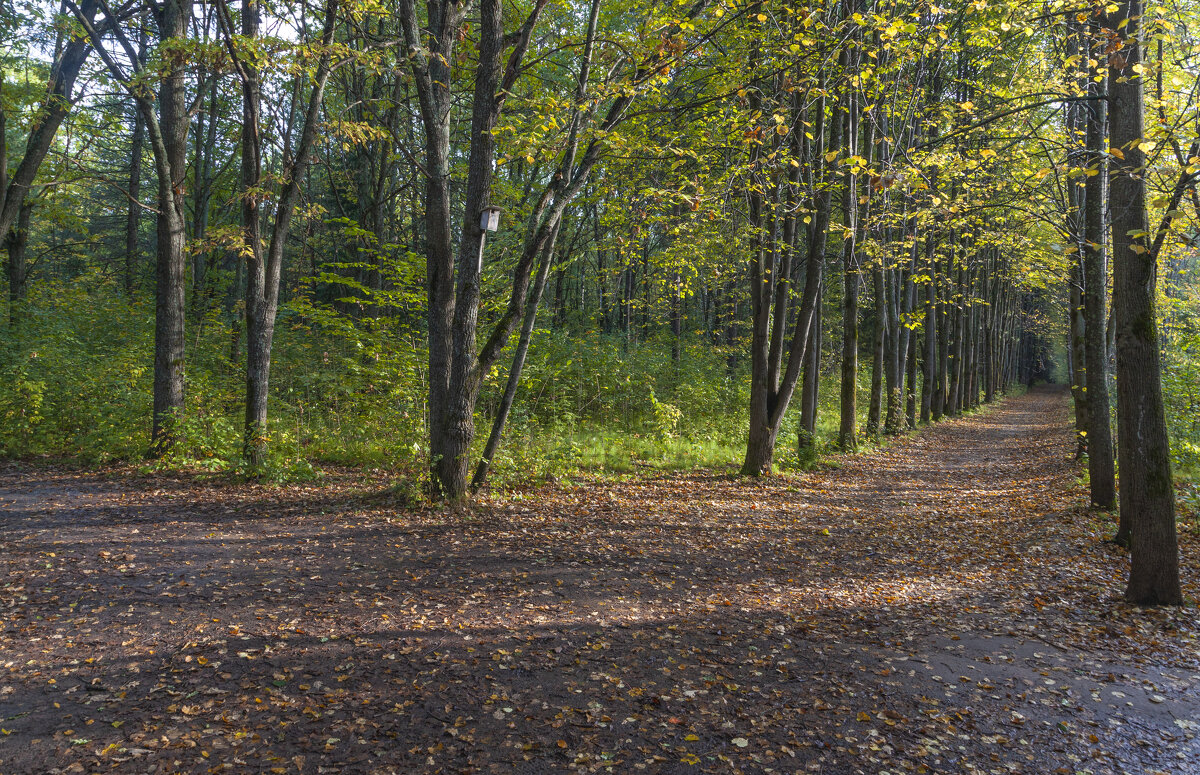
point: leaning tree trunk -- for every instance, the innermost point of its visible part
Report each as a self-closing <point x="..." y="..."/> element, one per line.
<point x="1147" y="494"/>
<point x="809" y="393"/>
<point x="72" y="53"/>
<point x="518" y="364"/>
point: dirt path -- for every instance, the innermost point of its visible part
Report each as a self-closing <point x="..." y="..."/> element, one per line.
<point x="940" y="606"/>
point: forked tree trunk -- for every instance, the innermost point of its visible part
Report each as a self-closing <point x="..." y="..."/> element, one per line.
<point x="769" y="402"/>
<point x="264" y="270"/>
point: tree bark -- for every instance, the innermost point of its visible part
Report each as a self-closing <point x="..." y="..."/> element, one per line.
<point x="258" y="351"/>
<point x="812" y="383"/>
<point x="18" y="271"/>
<point x="851" y="282"/>
<point x="133" y="215"/>
<point x="518" y="364"/>
<point x="263" y="272"/>
<point x="1101" y="476"/>
<point x="64" y="70"/>
<point x="170" y="147"/>
<point x="1147" y="497"/>
<point x="931" y="329"/>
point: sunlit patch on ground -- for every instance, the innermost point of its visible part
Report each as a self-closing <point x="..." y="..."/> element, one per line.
<point x="942" y="605"/>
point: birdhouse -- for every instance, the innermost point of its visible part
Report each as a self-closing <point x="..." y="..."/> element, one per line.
<point x="489" y="219"/>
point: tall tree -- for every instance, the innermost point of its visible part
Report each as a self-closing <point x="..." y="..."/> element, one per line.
<point x="1147" y="497"/>
<point x="1101" y="477"/>
<point x="71" y="53"/>
<point x="264" y="263"/>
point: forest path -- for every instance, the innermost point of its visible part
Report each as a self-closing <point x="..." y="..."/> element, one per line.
<point x="960" y="614"/>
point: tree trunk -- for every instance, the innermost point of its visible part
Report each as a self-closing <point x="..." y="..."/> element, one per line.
<point x="205" y="143"/>
<point x="851" y="283"/>
<point x="171" y="257"/>
<point x="18" y="272"/>
<point x="1078" y="358"/>
<point x="133" y="216"/>
<point x="455" y="368"/>
<point x="518" y="364"/>
<point x="930" y="355"/>
<point x="1147" y="493"/>
<point x="1101" y="477"/>
<point x="72" y="52"/>
<point x="942" y="321"/>
<point x="910" y="402"/>
<point x="1077" y="126"/>
<point x="812" y="383"/>
<point x="258" y="348"/>
<point x="769" y="403"/>
<point x="263" y="273"/>
<point x="875" y="411"/>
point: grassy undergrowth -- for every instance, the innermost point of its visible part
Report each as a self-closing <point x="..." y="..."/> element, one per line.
<point x="76" y="376"/>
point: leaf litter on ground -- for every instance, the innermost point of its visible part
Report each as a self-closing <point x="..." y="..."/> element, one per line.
<point x="942" y="605"/>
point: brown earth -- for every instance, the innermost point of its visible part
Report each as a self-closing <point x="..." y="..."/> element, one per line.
<point x="944" y="605"/>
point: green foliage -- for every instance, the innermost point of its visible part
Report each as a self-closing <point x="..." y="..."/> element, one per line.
<point x="77" y="372"/>
<point x="1181" y="385"/>
<point x="75" y="376"/>
<point x="597" y="402"/>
